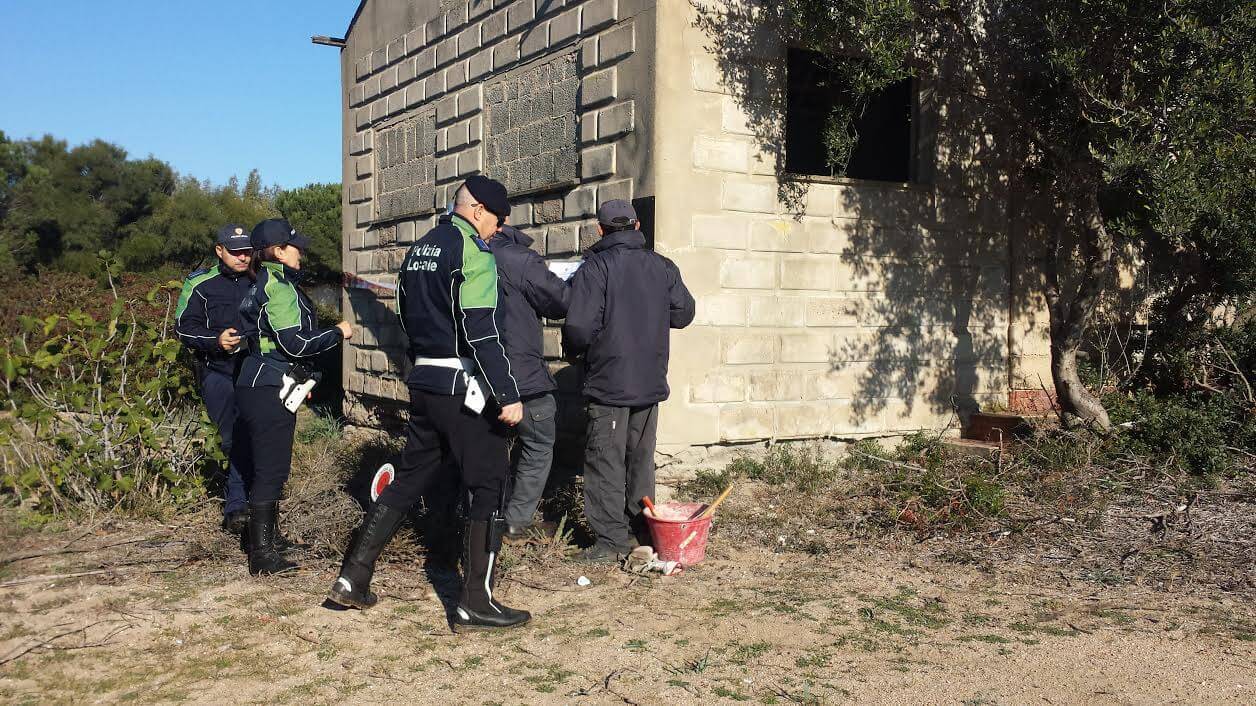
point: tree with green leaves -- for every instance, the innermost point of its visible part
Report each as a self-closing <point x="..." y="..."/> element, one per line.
<point x="314" y="209"/>
<point x="1126" y="125"/>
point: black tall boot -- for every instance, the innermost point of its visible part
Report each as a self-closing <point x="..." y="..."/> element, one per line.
<point x="353" y="586"/>
<point x="477" y="610"/>
<point x="264" y="558"/>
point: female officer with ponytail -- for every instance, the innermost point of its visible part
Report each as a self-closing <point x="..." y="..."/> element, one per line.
<point x="279" y="323"/>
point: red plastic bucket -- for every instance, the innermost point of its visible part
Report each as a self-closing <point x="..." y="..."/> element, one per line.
<point x="670" y="530"/>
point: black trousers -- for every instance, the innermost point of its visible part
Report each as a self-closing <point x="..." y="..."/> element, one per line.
<point x="218" y="391"/>
<point x="440" y="427"/>
<point x="264" y="434"/>
<point x="618" y="470"/>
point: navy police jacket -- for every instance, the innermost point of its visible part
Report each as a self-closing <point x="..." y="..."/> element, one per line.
<point x="208" y="305"/>
<point x="281" y="328"/>
<point x="624" y="300"/>
<point x="527" y="291"/>
<point x="447" y="298"/>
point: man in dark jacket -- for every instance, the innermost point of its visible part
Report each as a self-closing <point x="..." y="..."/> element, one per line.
<point x="624" y="300"/>
<point x="528" y="291"/>
<point x="206" y="321"/>
<point x="463" y="399"/>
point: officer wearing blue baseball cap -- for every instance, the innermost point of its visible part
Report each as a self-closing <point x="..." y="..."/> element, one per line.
<point x="206" y="321"/>
<point x="281" y="330"/>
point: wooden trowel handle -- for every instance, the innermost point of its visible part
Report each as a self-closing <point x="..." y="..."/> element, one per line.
<point x="710" y="509"/>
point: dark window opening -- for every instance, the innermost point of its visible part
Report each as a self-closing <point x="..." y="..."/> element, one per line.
<point x="883" y="149"/>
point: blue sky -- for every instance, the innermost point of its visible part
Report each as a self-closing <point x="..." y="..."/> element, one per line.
<point x="213" y="88"/>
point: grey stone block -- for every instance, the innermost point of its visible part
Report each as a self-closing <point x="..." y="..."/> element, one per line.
<point x="362" y="68"/>
<point x="616" y="120"/>
<point x="396" y="50"/>
<point x="505" y="53"/>
<point x="588" y="53"/>
<point x="564" y="27"/>
<point x="598" y="14"/>
<point x="480" y="65"/>
<point x="414" y="95"/>
<point x="475" y="129"/>
<point x="435" y="29"/>
<point x="446" y="109"/>
<point x="588" y="128"/>
<point x="598" y="88"/>
<point x="415" y="39"/>
<point x="519" y="14"/>
<point x="447" y="167"/>
<point x="565" y="95"/>
<point x="562" y="239"/>
<point x="616" y="44"/>
<point x="589" y="234"/>
<point x="442" y="140"/>
<point x="477" y="8"/>
<point x="371" y="88"/>
<point x="469" y="40"/>
<point x="597" y="162"/>
<point x="612" y="190"/>
<point x="548" y="211"/>
<point x="470" y="100"/>
<point x="446" y="51"/>
<point x="362" y="166"/>
<point x="495" y="93"/>
<point x="470" y="162"/>
<point x="493" y="28"/>
<point x="456" y="76"/>
<point x="553" y="135"/>
<point x="535" y="40"/>
<point x="379" y="59"/>
<point x="580" y="202"/>
<point x="434" y="86"/>
<point x="425" y="62"/>
<point x="456" y="137"/>
<point x="396" y="102"/>
<point x="456" y="16"/>
<point x="362" y="118"/>
<point x="521" y="214"/>
<point x="405" y="72"/>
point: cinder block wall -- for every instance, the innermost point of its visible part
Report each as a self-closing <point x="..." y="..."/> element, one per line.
<point x="832" y="307"/>
<point x="550" y="97"/>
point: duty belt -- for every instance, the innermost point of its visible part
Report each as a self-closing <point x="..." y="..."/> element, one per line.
<point x="474" y="397"/>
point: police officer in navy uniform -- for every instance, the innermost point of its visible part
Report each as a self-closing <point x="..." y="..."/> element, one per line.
<point x="207" y="321"/>
<point x="463" y="402"/>
<point x="279" y="324"/>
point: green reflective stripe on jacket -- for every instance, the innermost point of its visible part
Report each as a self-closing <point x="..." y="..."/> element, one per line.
<point x="479" y="273"/>
<point x="282" y="309"/>
<point x="189" y="285"/>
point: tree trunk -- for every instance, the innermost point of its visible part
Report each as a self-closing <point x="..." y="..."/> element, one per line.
<point x="1069" y="318"/>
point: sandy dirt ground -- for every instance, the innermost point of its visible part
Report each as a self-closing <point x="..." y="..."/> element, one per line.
<point x="866" y="626"/>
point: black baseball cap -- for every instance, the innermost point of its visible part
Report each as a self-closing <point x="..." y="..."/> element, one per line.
<point x="234" y="236"/>
<point x="491" y="193"/>
<point x="616" y="212"/>
<point x="277" y="231"/>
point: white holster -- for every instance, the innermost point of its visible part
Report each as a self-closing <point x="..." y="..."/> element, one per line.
<point x="474" y="397"/>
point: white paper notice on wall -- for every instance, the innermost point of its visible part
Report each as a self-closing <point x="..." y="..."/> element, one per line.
<point x="564" y="268"/>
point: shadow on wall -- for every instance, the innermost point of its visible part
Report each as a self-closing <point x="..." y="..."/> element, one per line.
<point x="926" y="265"/>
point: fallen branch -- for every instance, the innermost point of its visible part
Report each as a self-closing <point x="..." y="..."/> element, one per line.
<point x="47" y="642"/>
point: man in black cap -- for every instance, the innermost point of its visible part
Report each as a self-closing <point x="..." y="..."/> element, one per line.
<point x="624" y="300"/>
<point x="463" y="401"/>
<point x="207" y="322"/>
<point x="529" y="291"/>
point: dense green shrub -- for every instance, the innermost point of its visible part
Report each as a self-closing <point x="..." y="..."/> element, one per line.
<point x="100" y="412"/>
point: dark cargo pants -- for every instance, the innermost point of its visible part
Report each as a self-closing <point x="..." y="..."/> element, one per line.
<point x="218" y="391"/>
<point x="618" y="470"/>
<point x="534" y="455"/>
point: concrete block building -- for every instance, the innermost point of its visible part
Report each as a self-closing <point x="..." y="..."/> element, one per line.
<point x="890" y="300"/>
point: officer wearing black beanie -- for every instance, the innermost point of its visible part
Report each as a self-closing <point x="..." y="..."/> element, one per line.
<point x="463" y="400"/>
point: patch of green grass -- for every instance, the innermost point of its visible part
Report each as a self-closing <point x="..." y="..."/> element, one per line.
<point x="976" y="619"/>
<point x="1044" y="628"/>
<point x="992" y="639"/>
<point x="723" y="606"/>
<point x="729" y="694"/>
<point x="321" y="425"/>
<point x="815" y="658"/>
<point x="635" y="645"/>
<point x="598" y="632"/>
<point x="913" y="610"/>
<point x="744" y="653"/>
